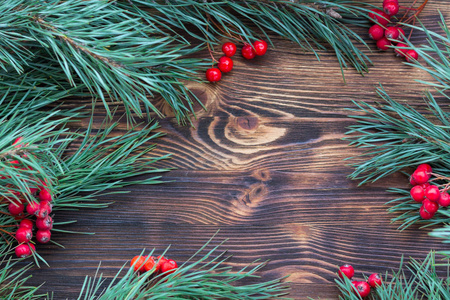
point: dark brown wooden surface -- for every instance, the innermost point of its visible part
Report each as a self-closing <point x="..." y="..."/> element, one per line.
<point x="264" y="165"/>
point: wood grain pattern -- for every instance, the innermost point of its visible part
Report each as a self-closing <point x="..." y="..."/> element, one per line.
<point x="264" y="165"/>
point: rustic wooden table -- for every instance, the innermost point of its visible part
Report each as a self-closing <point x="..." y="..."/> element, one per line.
<point x="264" y="164"/>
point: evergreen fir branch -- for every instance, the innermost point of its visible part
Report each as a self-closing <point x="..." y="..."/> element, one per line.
<point x="395" y="136"/>
<point x="203" y="276"/>
<point x="310" y="24"/>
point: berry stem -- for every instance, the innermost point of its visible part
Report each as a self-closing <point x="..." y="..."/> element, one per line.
<point x="9" y="233"/>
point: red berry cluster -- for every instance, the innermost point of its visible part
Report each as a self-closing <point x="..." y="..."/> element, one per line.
<point x="362" y="288"/>
<point x="385" y="36"/>
<point x="429" y="195"/>
<point x="21" y="209"/>
<point x="158" y="265"/>
<point x="225" y="63"/>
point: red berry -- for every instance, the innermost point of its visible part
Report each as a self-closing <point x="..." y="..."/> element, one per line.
<point x="17" y="141"/>
<point x="412" y="181"/>
<point x="391" y="8"/>
<point x="150" y="264"/>
<point x="32" y="208"/>
<point x="384" y="1"/>
<point x="229" y="49"/>
<point x="392" y="33"/>
<point x="432" y="193"/>
<point x="425" y="214"/>
<point x="225" y="64"/>
<point x="376" y="32"/>
<point x="401" y="52"/>
<point x="421" y="176"/>
<point x="23" y="235"/>
<point x="425" y="185"/>
<point x="379" y="16"/>
<point x="425" y="167"/>
<point x="383" y="44"/>
<point x="45" y="208"/>
<point x="43" y="236"/>
<point x="138" y="263"/>
<point x="44" y="223"/>
<point x="26" y="223"/>
<point x="45" y="195"/>
<point x="362" y="288"/>
<point x="346" y="270"/>
<point x="411" y="55"/>
<point x="213" y="75"/>
<point x="444" y="200"/>
<point x="260" y="47"/>
<point x="169" y="266"/>
<point x="374" y="280"/>
<point x="23" y="250"/>
<point x="15" y="209"/>
<point x="417" y="193"/>
<point x="430" y="206"/>
<point x="248" y="52"/>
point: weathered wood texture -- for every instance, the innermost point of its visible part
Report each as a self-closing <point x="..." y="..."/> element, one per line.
<point x="264" y="164"/>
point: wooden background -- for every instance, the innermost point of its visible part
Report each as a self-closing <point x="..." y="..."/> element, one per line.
<point x="264" y="165"/>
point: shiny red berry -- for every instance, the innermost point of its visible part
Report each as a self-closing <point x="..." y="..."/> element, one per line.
<point x="432" y="193"/>
<point x="24" y="235"/>
<point x="425" y="214"/>
<point x="169" y="266"/>
<point x="425" y="167"/>
<point x="45" y="208"/>
<point x="138" y="263"/>
<point x="229" y="49"/>
<point x="44" y="195"/>
<point x="260" y="47"/>
<point x="383" y="44"/>
<point x="248" y="52"/>
<point x="401" y="52"/>
<point x="379" y="16"/>
<point x="44" y="223"/>
<point x="376" y="32"/>
<point x="43" y="236"/>
<point x="24" y="250"/>
<point x="430" y="206"/>
<point x="417" y="193"/>
<point x="391" y="8"/>
<point x="32" y="208"/>
<point x="362" y="288"/>
<point x="225" y="64"/>
<point x="421" y="176"/>
<point x="346" y="270"/>
<point x="444" y="200"/>
<point x="26" y="223"/>
<point x="213" y="75"/>
<point x="374" y="280"/>
<point x="150" y="264"/>
<point x="392" y="33"/>
<point x="411" y="55"/>
<point x="15" y="209"/>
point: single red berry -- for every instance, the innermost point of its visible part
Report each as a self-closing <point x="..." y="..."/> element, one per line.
<point x="248" y="52"/>
<point x="45" y="208"/>
<point x="432" y="193"/>
<point x="425" y="167"/>
<point x="32" y="208"/>
<point x="229" y="49"/>
<point x="383" y="44"/>
<point x="213" y="75"/>
<point x="401" y="52"/>
<point x="44" y="223"/>
<point x="444" y="200"/>
<point x="362" y="288"/>
<point x="260" y="47"/>
<point x="23" y="250"/>
<point x="169" y="267"/>
<point x="430" y="206"/>
<point x="15" y="209"/>
<point x="376" y="32"/>
<point x="24" y="235"/>
<point x="391" y="8"/>
<point x="346" y="270"/>
<point x="417" y="193"/>
<point x="43" y="236"/>
<point x="26" y="223"/>
<point x="412" y="181"/>
<point x="45" y="195"/>
<point x="17" y="141"/>
<point x="374" y="280"/>
<point x="150" y="264"/>
<point x="392" y="33"/>
<point x="34" y="190"/>
<point x="425" y="185"/>
<point x="425" y="214"/>
<point x="138" y="263"/>
<point x="225" y="64"/>
<point x="411" y="55"/>
<point x="379" y="16"/>
<point x="384" y="1"/>
<point x="421" y="176"/>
